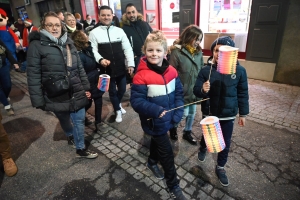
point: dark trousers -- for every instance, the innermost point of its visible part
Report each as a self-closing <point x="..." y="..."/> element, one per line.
<point x="116" y="95"/>
<point x="161" y="150"/>
<point x="5" y="83"/>
<point x="227" y="128"/>
<point x="4" y="142"/>
<point x="98" y="107"/>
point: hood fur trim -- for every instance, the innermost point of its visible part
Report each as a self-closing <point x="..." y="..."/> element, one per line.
<point x="125" y="21"/>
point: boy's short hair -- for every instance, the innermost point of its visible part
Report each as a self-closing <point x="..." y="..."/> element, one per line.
<point x="156" y="36"/>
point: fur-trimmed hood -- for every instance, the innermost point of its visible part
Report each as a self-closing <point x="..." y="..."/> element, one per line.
<point x="125" y="21"/>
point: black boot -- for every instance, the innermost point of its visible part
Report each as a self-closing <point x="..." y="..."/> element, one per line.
<point x="87" y="122"/>
<point x="188" y="137"/>
<point x="173" y="134"/>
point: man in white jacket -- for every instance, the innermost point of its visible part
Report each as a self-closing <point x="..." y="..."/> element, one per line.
<point x="111" y="47"/>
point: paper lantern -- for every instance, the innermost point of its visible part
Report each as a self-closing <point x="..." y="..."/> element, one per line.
<point x="227" y="59"/>
<point x="212" y="134"/>
<point x="103" y="82"/>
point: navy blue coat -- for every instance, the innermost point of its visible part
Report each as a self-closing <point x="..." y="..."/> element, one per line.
<point x="228" y="93"/>
<point x="92" y="72"/>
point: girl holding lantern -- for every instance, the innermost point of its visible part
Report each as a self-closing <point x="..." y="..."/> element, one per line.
<point x="228" y="95"/>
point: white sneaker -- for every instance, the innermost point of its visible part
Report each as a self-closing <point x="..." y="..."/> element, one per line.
<point x="122" y="109"/>
<point x="119" y="116"/>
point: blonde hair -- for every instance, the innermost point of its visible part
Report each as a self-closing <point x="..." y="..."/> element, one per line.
<point x="156" y="36"/>
<point x="68" y="14"/>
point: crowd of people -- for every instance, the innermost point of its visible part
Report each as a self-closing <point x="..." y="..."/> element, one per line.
<point x="65" y="56"/>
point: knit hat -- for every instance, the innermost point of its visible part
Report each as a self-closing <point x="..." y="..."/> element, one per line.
<point x="3" y="13"/>
<point x="224" y="40"/>
<point x="28" y="21"/>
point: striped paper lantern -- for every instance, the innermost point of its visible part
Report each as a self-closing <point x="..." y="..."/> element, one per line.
<point x="103" y="82"/>
<point x="212" y="134"/>
<point x="227" y="59"/>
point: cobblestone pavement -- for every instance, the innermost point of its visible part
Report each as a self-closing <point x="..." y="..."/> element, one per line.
<point x="271" y="104"/>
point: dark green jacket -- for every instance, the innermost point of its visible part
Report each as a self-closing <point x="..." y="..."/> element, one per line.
<point x="188" y="68"/>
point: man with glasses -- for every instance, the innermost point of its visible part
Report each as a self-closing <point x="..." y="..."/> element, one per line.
<point x="111" y="47"/>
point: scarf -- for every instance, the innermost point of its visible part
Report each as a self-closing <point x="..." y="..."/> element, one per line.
<point x="70" y="28"/>
<point x="159" y="69"/>
<point x="192" y="50"/>
<point x="60" y="41"/>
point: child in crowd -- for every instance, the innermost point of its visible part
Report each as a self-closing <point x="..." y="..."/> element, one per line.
<point x="156" y="89"/>
<point x="186" y="57"/>
<point x="228" y="95"/>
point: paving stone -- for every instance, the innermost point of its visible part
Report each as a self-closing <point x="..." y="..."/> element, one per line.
<point x="201" y="195"/>
<point x="96" y="144"/>
<point x="153" y="178"/>
<point x="101" y="148"/>
<point x="162" y="184"/>
<point x="119" y="162"/>
<point x="110" y="155"/>
<point x="164" y="195"/>
<point x="134" y="163"/>
<point x="122" y="154"/>
<point x="141" y="167"/>
<point x="147" y="181"/>
<point x="116" y="150"/>
<point x="189" y="177"/>
<point x="182" y="183"/>
<point x="105" y="151"/>
<point x="207" y="188"/>
<point x="127" y="140"/>
<point x="190" y="190"/>
<point x="131" y="170"/>
<point x="110" y="138"/>
<point x="217" y="194"/>
<point x="143" y="150"/>
<point x="105" y="142"/>
<point x="138" y="176"/>
<point x="120" y="144"/>
<point x="226" y="197"/>
<point x="181" y="172"/>
<point x="155" y="188"/>
<point x="113" y="131"/>
<point x="126" y="147"/>
<point x="132" y="151"/>
<point x="96" y="136"/>
<point x="122" y="137"/>
<point x="128" y="159"/>
<point x="118" y="134"/>
<point x="111" y="147"/>
<point x="125" y="165"/>
<point x="114" y="158"/>
<point x="115" y="141"/>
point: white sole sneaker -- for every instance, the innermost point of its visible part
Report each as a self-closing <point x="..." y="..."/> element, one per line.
<point x="122" y="109"/>
<point x="119" y="116"/>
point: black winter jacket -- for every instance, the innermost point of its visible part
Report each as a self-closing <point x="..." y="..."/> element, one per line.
<point x="45" y="58"/>
<point x="228" y="92"/>
<point x="136" y="32"/>
<point x="92" y="72"/>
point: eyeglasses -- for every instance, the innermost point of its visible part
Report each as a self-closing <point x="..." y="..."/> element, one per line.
<point x="52" y="25"/>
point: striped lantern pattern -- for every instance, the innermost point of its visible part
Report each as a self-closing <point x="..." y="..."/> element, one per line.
<point x="212" y="134"/>
<point x="103" y="82"/>
<point x="227" y="59"/>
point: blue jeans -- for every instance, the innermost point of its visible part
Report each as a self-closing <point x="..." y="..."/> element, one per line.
<point x="73" y="124"/>
<point x="24" y="65"/>
<point x="115" y="95"/>
<point x="161" y="150"/>
<point x="189" y="116"/>
<point x="227" y="128"/>
<point x="5" y="83"/>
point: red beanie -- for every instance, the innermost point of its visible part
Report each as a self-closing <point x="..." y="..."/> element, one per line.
<point x="3" y="13"/>
<point x="28" y="21"/>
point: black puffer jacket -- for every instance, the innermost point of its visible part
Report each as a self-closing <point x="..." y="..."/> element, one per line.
<point x="46" y="58"/>
<point x="136" y="32"/>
